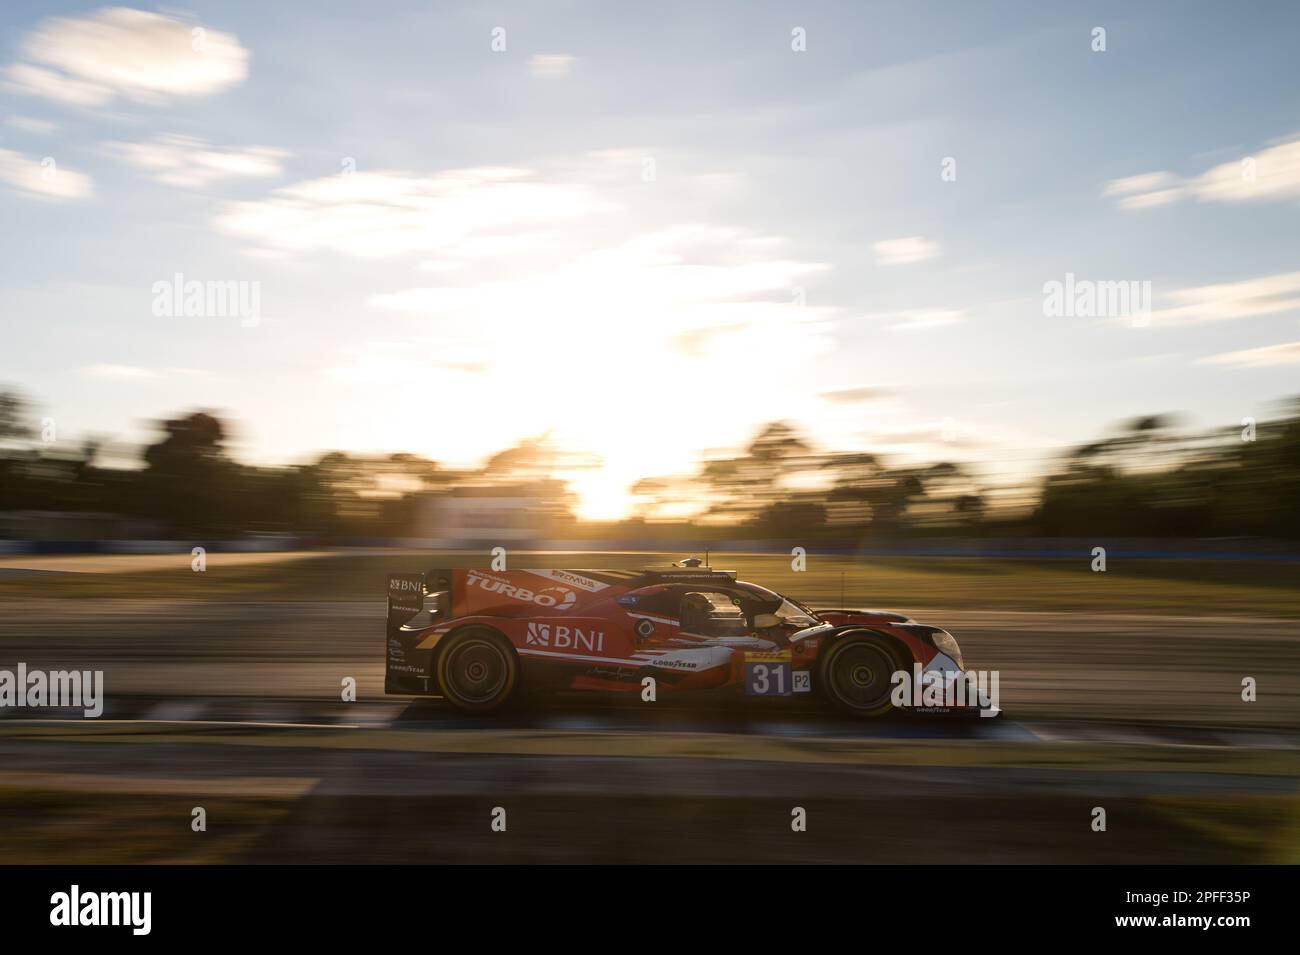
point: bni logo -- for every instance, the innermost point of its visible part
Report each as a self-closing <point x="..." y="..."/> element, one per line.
<point x="539" y="634"/>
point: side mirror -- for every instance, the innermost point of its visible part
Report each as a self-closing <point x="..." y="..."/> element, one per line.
<point x="764" y="621"/>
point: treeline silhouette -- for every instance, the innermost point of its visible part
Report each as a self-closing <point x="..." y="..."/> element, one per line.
<point x="1150" y="478"/>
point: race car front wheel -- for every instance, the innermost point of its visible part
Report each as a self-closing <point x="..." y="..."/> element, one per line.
<point x="477" y="669"/>
<point x="856" y="675"/>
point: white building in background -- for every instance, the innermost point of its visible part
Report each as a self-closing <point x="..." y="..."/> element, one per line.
<point x="474" y="519"/>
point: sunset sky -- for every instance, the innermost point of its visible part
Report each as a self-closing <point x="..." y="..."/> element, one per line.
<point x="649" y="234"/>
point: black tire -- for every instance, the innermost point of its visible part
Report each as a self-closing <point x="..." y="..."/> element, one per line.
<point x="477" y="669"/>
<point x="855" y="675"/>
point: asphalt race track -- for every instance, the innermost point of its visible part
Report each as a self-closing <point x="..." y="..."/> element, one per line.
<point x="1053" y="665"/>
<point x="235" y="707"/>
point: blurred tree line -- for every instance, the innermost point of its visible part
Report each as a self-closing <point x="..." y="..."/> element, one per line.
<point x="1148" y="479"/>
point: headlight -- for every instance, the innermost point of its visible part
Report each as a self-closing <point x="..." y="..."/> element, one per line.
<point x="946" y="643"/>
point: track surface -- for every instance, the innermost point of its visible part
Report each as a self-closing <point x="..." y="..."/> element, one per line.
<point x="419" y="784"/>
<point x="1131" y="668"/>
<point x="236" y="707"/>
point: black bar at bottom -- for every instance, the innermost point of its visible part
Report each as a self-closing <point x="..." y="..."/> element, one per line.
<point x="388" y="904"/>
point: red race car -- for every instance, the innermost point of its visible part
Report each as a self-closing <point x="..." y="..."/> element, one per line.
<point x="476" y="637"/>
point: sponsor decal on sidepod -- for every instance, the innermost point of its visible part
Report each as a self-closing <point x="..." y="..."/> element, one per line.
<point x="563" y="637"/>
<point x="556" y="598"/>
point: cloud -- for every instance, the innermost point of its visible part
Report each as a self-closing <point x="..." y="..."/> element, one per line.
<point x="1269" y="355"/>
<point x="923" y="319"/>
<point x="565" y="284"/>
<point x="376" y="363"/>
<point x="695" y="342"/>
<point x="29" y="124"/>
<point x="484" y="247"/>
<point x="694" y="283"/>
<point x="944" y="434"/>
<point x="123" y="373"/>
<point x="43" y="178"/>
<point x="35" y="81"/>
<point x="192" y="163"/>
<point x="141" y="56"/>
<point x="120" y="372"/>
<point x="383" y="214"/>
<point x="1265" y="295"/>
<point x="1270" y="175"/>
<point x="1145" y="190"/>
<point x="550" y="65"/>
<point x="914" y="248"/>
<point x="855" y="395"/>
<point x="1144" y="182"/>
<point x="676" y="315"/>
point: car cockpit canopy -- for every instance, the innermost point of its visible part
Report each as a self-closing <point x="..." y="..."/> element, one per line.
<point x="710" y="614"/>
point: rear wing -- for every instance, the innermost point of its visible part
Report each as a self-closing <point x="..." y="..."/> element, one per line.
<point x="405" y="599"/>
<point x="408" y="666"/>
<point x="407" y="594"/>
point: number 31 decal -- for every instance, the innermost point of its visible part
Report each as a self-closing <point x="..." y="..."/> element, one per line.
<point x="768" y="679"/>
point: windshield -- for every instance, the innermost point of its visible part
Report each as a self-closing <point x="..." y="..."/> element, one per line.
<point x="792" y="613"/>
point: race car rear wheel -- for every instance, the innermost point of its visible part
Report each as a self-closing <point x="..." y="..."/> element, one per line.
<point x="477" y="669"/>
<point x="856" y="674"/>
